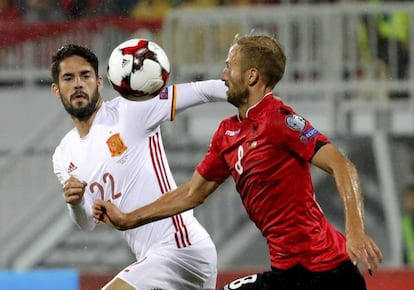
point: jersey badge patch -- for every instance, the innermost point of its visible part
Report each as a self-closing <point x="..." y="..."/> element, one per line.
<point x="308" y="135"/>
<point x="295" y="122"/>
<point x="164" y="94"/>
<point x="116" y="145"/>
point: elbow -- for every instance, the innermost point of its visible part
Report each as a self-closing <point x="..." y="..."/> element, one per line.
<point x="197" y="202"/>
<point x="191" y="201"/>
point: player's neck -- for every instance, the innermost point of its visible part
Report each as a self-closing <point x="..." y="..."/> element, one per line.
<point x="84" y="125"/>
<point x="254" y="98"/>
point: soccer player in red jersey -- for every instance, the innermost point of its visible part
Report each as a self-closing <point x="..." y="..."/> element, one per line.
<point x="267" y="148"/>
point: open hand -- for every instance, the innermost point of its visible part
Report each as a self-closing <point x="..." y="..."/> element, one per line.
<point x="362" y="248"/>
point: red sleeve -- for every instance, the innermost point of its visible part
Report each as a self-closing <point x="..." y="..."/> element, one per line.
<point x="213" y="167"/>
<point x="296" y="134"/>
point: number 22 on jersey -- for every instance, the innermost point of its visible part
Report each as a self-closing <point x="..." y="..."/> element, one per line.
<point x="99" y="187"/>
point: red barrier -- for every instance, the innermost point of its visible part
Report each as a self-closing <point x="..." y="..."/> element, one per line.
<point x="398" y="279"/>
<point x="89" y="281"/>
<point x="384" y="279"/>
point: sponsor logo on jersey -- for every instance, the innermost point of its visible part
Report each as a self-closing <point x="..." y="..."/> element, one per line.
<point x="232" y="133"/>
<point x="72" y="167"/>
<point x="116" y="145"/>
<point x="295" y="122"/>
<point x="308" y="135"/>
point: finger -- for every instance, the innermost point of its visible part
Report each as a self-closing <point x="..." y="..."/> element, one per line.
<point x="72" y="194"/>
<point x="370" y="258"/>
<point x="75" y="188"/>
<point x="354" y="261"/>
<point x="97" y="212"/>
<point x="359" y="254"/>
<point x="366" y="259"/>
<point x="99" y="203"/>
<point x="353" y="258"/>
<point x="375" y="255"/>
<point x="378" y="253"/>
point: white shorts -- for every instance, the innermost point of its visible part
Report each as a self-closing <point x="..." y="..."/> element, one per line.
<point x="170" y="268"/>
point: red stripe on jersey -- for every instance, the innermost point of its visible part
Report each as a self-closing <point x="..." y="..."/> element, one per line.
<point x="153" y="156"/>
<point x="181" y="221"/>
<point x="162" y="164"/>
<point x="177" y="229"/>
<point x="181" y="233"/>
<point x="158" y="164"/>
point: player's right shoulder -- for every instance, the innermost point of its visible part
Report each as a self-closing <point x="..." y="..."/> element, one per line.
<point x="228" y="127"/>
<point x="228" y="122"/>
<point x="68" y="137"/>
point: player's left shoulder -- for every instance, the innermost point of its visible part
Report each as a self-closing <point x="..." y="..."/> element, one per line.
<point x="283" y="116"/>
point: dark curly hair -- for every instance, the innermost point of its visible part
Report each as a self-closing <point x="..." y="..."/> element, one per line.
<point x="68" y="51"/>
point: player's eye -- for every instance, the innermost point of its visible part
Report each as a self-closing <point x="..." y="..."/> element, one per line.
<point x="86" y="75"/>
<point x="67" y="78"/>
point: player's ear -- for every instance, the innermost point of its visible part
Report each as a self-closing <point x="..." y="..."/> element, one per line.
<point x="100" y="82"/>
<point x="253" y="76"/>
<point x="55" y="90"/>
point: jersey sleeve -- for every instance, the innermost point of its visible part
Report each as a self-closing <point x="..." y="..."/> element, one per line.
<point x="213" y="167"/>
<point x="175" y="99"/>
<point x="196" y="93"/>
<point x="296" y="134"/>
<point x="80" y="214"/>
<point x="58" y="167"/>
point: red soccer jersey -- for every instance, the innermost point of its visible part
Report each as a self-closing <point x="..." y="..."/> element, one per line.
<point x="268" y="155"/>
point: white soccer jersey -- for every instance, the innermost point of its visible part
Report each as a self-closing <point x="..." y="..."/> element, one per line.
<point x="122" y="159"/>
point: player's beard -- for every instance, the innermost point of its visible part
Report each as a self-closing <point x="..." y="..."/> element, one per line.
<point x="83" y="112"/>
<point x="238" y="94"/>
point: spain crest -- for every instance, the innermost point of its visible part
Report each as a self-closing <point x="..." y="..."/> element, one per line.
<point x="116" y="145"/>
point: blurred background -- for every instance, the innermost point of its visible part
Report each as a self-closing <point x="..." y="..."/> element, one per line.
<point x="349" y="71"/>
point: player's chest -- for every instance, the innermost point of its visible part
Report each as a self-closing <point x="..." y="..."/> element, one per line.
<point x="102" y="150"/>
<point x="101" y="146"/>
<point x="249" y="143"/>
<point x="100" y="160"/>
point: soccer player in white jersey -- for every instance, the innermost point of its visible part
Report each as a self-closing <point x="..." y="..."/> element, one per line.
<point x="115" y="152"/>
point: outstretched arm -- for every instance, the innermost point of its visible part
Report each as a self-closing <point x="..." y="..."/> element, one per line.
<point x="201" y="92"/>
<point x="185" y="197"/>
<point x="360" y="246"/>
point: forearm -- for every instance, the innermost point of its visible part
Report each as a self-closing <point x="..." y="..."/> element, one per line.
<point x="331" y="160"/>
<point x="169" y="204"/>
<point x="349" y="188"/>
<point x="81" y="215"/>
<point x="196" y="93"/>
